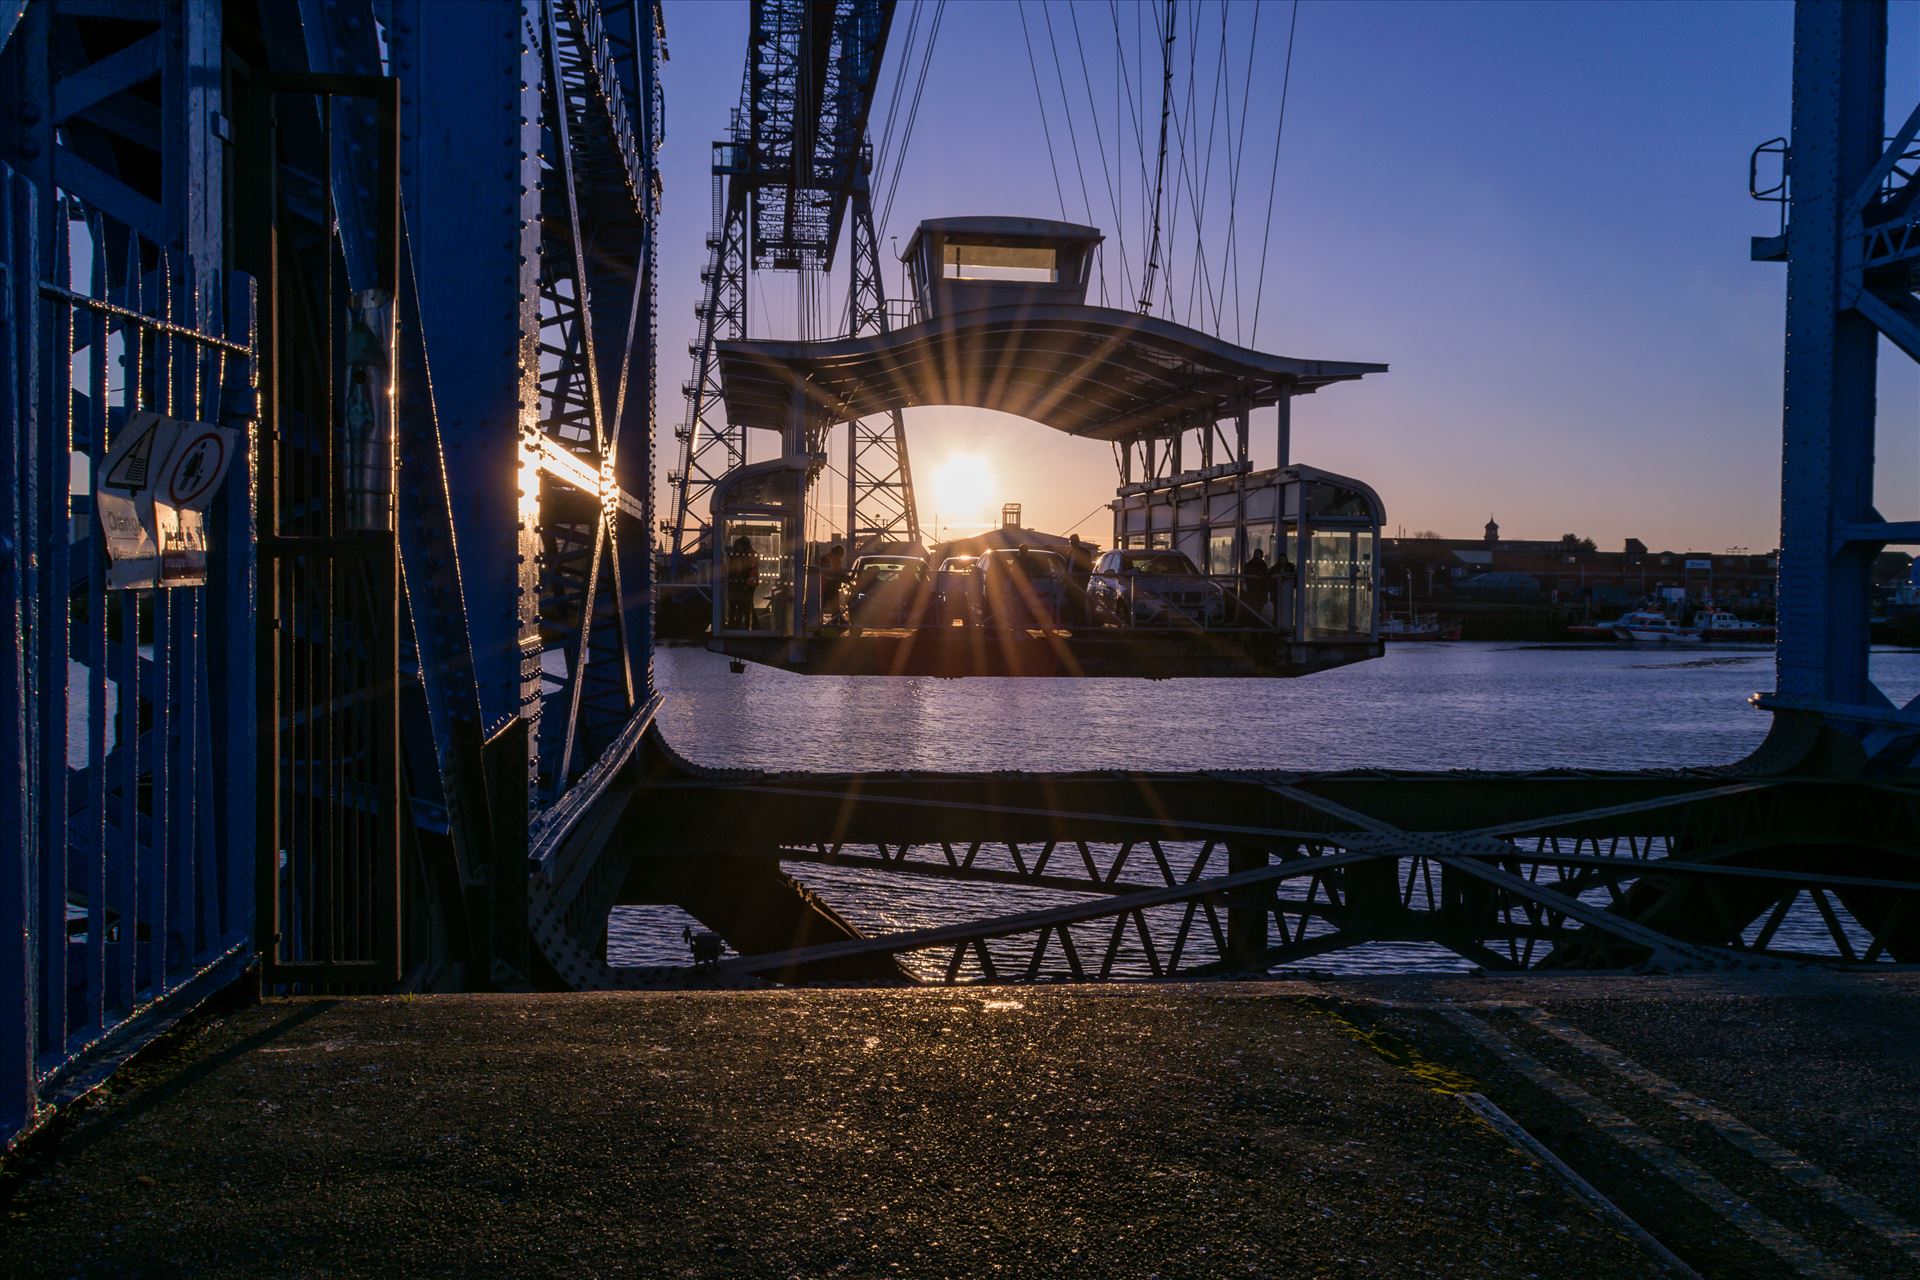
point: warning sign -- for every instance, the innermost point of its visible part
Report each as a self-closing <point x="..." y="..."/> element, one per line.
<point x="152" y="497"/>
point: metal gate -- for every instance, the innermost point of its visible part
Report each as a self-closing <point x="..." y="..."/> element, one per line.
<point x="329" y="616"/>
<point x="126" y="726"/>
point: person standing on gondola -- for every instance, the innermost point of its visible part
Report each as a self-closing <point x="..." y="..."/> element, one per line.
<point x="1256" y="582"/>
<point x="743" y="578"/>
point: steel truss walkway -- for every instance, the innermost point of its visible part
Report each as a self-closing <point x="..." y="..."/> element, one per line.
<point x="400" y="736"/>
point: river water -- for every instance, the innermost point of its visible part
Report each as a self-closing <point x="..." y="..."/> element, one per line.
<point x="1422" y="706"/>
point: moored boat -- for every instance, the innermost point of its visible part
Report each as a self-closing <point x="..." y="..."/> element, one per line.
<point x="1718" y="624"/>
<point x="1647" y="627"/>
<point x="1417" y="626"/>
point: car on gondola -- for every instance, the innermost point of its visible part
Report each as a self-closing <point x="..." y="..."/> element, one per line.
<point x="889" y="591"/>
<point x="956" y="591"/>
<point x="1021" y="588"/>
<point x="1154" y="589"/>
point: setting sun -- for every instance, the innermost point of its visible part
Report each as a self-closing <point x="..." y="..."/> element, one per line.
<point x="963" y="489"/>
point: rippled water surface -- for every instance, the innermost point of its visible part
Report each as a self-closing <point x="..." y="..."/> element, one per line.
<point x="1437" y="706"/>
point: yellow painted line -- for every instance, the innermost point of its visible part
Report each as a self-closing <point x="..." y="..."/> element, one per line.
<point x="1862" y="1208"/>
<point x="1514" y="1132"/>
<point x="1802" y="1256"/>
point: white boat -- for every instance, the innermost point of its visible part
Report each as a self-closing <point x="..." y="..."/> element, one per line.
<point x="1718" y="624"/>
<point x="1417" y="626"/>
<point x="1646" y="627"/>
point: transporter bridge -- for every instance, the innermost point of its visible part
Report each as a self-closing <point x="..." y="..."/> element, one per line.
<point x="1000" y="320"/>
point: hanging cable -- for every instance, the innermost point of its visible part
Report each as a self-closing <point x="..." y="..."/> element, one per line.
<point x="883" y="152"/>
<point x="1160" y="167"/>
<point x="1236" y="155"/>
<point x="1073" y="136"/>
<point x="1045" y="132"/>
<point x="913" y="113"/>
<point x="1200" y="282"/>
<point x="1273" y="172"/>
<point x="1099" y="140"/>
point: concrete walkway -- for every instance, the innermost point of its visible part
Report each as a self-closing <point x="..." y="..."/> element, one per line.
<point x="1272" y="1129"/>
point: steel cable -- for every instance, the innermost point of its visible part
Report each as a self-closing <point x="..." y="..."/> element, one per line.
<point x="1286" y="81"/>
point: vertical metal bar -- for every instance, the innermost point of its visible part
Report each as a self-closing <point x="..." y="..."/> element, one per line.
<point x="324" y="800"/>
<point x="1283" y="428"/>
<point x="126" y="674"/>
<point x="260" y="204"/>
<point x="52" y="448"/>
<point x="19" y="324"/>
<point x="161" y="798"/>
<point x="95" y="845"/>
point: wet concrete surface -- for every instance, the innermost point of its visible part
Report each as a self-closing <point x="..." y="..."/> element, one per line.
<point x="1258" y="1129"/>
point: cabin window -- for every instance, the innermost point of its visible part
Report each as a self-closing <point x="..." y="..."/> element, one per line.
<point x="1025" y="264"/>
<point x="1340" y="583"/>
<point x="1220" y="552"/>
<point x="751" y="566"/>
<point x="1193" y="545"/>
<point x="1260" y="538"/>
<point x="1336" y="500"/>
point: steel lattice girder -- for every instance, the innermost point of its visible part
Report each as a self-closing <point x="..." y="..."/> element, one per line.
<point x="1684" y="864"/>
<point x="799" y="134"/>
<point x="530" y="135"/>
<point x="879" y="477"/>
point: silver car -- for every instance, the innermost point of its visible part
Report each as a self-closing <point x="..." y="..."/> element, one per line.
<point x="1155" y="589"/>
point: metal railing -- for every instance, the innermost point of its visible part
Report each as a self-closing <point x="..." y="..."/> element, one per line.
<point x="1133" y="602"/>
<point x="127" y="720"/>
<point x="1188" y="602"/>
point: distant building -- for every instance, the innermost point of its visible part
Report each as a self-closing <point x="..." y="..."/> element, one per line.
<point x="1559" y="571"/>
<point x="1009" y="534"/>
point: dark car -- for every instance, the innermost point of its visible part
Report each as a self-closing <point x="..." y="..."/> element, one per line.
<point x="1022" y="588"/>
<point x="956" y="591"/>
<point x="1155" y="589"/>
<point x="889" y="591"/>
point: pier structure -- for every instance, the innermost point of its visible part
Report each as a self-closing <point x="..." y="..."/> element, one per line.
<point x="1000" y="321"/>
<point x="324" y="523"/>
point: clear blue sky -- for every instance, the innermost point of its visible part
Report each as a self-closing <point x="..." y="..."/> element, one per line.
<point x="1536" y="213"/>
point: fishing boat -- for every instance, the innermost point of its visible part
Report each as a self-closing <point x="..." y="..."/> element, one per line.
<point x="1647" y="627"/>
<point x="1407" y="624"/>
<point x="1417" y="626"/>
<point x="1596" y="630"/>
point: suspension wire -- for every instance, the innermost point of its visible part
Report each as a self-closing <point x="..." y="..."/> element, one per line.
<point x="1073" y="136"/>
<point x="1200" y="284"/>
<point x="1148" y="271"/>
<point x="1126" y="269"/>
<point x="882" y="151"/>
<point x="1188" y="127"/>
<point x="1230" y="261"/>
<point x="1083" y="519"/>
<point x="1183" y="124"/>
<point x="1123" y="83"/>
<point x="1045" y="132"/>
<point x="1273" y="172"/>
<point x="919" y="88"/>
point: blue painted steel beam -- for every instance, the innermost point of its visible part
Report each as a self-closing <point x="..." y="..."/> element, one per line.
<point x="471" y="183"/>
<point x="1839" y="95"/>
